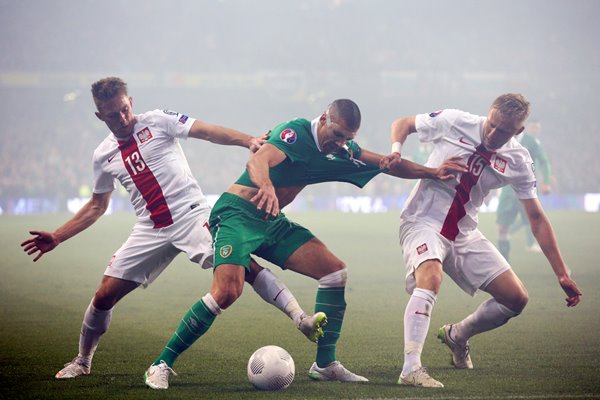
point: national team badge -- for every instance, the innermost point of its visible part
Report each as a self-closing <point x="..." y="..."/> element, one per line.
<point x="144" y="135"/>
<point x="183" y="119"/>
<point x="500" y="164"/>
<point x="435" y="113"/>
<point x="288" y="135"/>
<point x="422" y="248"/>
<point x="225" y="251"/>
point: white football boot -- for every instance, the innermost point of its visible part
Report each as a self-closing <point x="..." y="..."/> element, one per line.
<point x="312" y="325"/>
<point x="334" y="372"/>
<point x="157" y="376"/>
<point x="460" y="353"/>
<point x="420" y="378"/>
<point x="73" y="369"/>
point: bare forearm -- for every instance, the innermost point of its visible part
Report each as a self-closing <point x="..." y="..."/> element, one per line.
<point x="84" y="218"/>
<point x="410" y="170"/>
<point x="544" y="234"/>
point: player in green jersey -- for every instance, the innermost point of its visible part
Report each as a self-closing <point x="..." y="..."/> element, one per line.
<point x="247" y="220"/>
<point x="510" y="215"/>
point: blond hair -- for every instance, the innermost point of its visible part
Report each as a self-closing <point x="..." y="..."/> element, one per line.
<point x="512" y="105"/>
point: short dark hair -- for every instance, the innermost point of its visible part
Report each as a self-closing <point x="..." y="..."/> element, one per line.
<point x="348" y="111"/>
<point x="107" y="88"/>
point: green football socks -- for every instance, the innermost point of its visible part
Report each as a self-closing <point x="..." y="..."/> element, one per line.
<point x="330" y="301"/>
<point x="193" y="325"/>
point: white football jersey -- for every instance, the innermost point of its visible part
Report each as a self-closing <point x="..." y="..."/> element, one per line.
<point x="152" y="167"/>
<point x="451" y="207"/>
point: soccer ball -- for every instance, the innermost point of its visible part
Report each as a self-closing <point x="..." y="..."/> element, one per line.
<point x="271" y="368"/>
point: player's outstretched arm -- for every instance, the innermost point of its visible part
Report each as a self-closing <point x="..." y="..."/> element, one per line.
<point x="43" y="242"/>
<point x="407" y="169"/>
<point x="225" y="136"/>
<point x="543" y="232"/>
<point x="400" y="129"/>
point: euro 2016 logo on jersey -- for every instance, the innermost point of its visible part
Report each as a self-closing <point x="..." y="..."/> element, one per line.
<point x="422" y="248"/>
<point x="288" y="135"/>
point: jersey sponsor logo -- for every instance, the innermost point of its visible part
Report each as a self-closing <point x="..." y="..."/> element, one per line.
<point x="422" y="248"/>
<point x="144" y="135"/>
<point x="170" y="112"/>
<point x="435" y="113"/>
<point x="183" y="119"/>
<point x="288" y="135"/>
<point x="225" y="251"/>
<point x="110" y="158"/>
<point x="500" y="164"/>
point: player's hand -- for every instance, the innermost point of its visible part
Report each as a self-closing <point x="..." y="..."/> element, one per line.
<point x="570" y="288"/>
<point x="389" y="161"/>
<point x="42" y="242"/>
<point x="257" y="142"/>
<point x="449" y="168"/>
<point x="266" y="199"/>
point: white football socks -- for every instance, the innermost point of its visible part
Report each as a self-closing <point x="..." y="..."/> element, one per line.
<point x="272" y="290"/>
<point x="417" y="317"/>
<point x="489" y="315"/>
<point x="95" y="323"/>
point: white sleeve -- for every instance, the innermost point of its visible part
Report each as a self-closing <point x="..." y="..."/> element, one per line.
<point x="526" y="187"/>
<point x="434" y="125"/>
<point x="177" y="125"/>
<point x="103" y="182"/>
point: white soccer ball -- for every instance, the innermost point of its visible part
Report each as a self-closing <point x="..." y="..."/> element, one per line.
<point x="271" y="368"/>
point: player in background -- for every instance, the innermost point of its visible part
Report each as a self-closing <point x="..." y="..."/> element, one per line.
<point x="510" y="215"/>
<point x="143" y="153"/>
<point x="247" y="220"/>
<point x="438" y="227"/>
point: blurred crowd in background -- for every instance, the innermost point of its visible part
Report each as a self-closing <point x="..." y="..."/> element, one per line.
<point x="252" y="65"/>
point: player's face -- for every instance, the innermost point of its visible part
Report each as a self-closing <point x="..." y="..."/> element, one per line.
<point x="117" y="114"/>
<point x="333" y="135"/>
<point x="498" y="130"/>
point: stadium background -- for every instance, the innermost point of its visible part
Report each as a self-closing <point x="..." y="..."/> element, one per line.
<point x="251" y="65"/>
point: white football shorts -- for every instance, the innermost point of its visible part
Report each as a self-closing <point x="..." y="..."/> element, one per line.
<point x="147" y="251"/>
<point x="472" y="261"/>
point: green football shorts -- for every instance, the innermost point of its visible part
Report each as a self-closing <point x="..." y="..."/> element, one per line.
<point x="239" y="230"/>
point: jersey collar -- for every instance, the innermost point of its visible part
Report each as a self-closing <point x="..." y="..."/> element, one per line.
<point x="313" y="128"/>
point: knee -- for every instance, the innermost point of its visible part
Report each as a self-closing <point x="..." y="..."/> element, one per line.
<point x="104" y="299"/>
<point x="520" y="301"/>
<point x="226" y="295"/>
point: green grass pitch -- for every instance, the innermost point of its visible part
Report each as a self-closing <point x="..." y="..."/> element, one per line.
<point x="549" y="352"/>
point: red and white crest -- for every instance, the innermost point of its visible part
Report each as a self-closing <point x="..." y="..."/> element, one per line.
<point x="422" y="248"/>
<point x="500" y="164"/>
<point x="144" y="135"/>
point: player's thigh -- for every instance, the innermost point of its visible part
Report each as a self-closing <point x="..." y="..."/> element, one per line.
<point x="314" y="259"/>
<point x="474" y="262"/>
<point x="422" y="248"/>
<point x="191" y="234"/>
<point x="143" y="256"/>
<point x="508" y="290"/>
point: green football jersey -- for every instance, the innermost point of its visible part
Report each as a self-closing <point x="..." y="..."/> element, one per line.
<point x="305" y="164"/>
